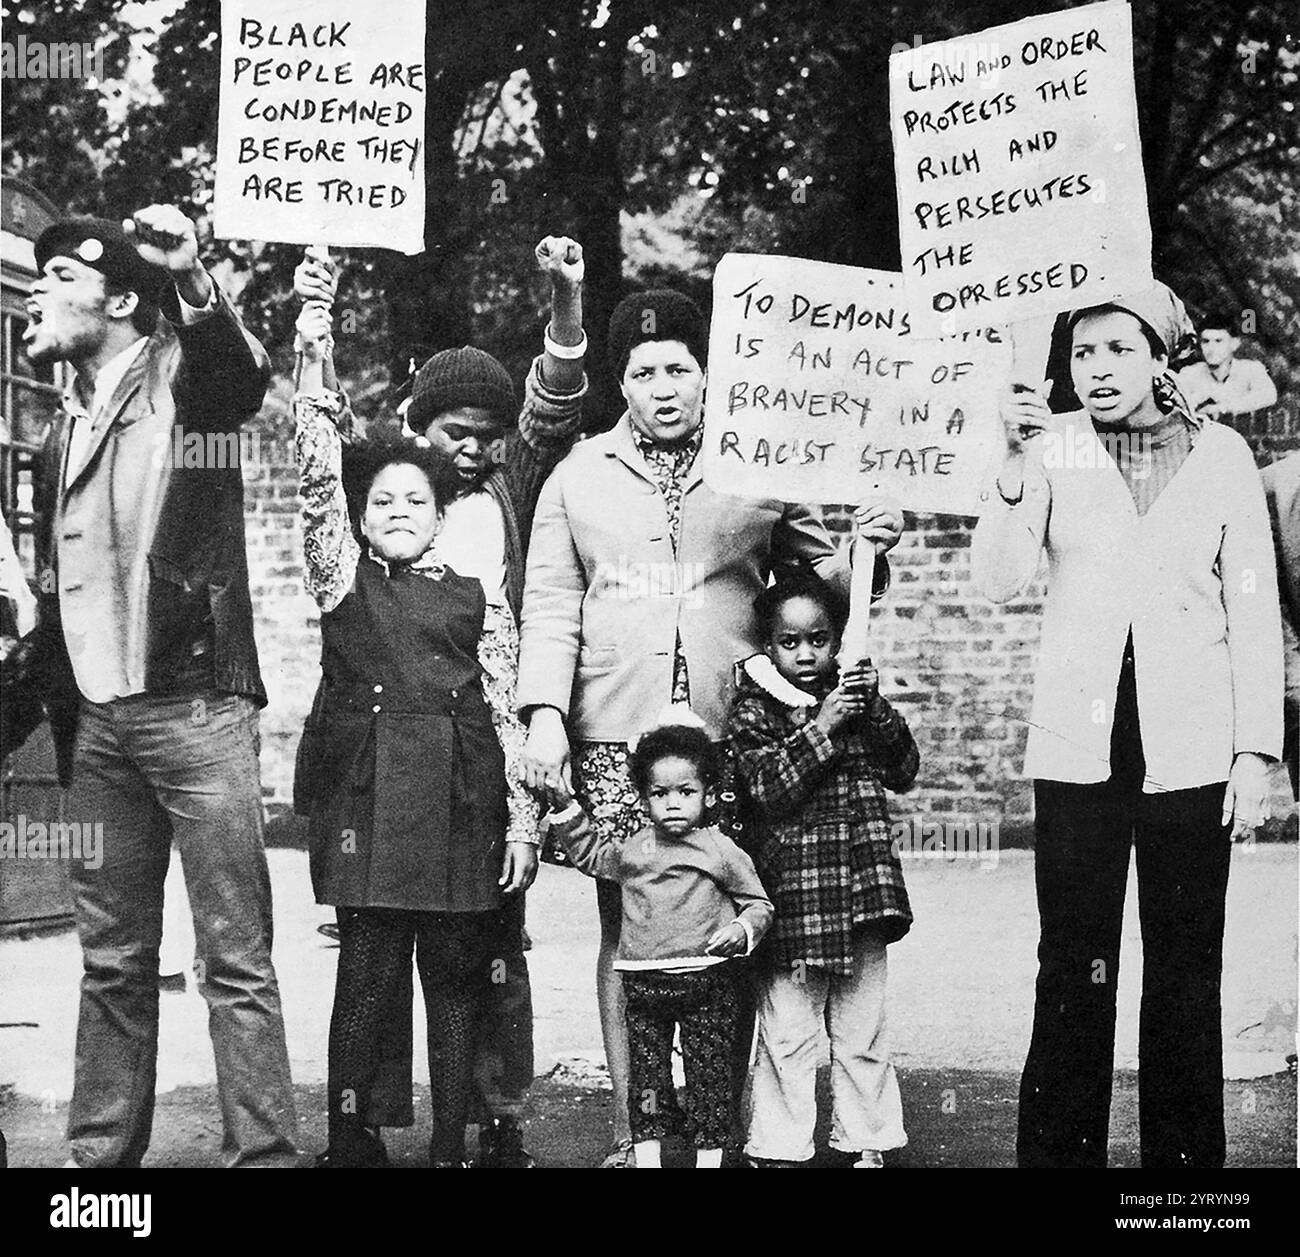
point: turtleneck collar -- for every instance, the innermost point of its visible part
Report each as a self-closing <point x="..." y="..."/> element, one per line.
<point x="1166" y="429"/>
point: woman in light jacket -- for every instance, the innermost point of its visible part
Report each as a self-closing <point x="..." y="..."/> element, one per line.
<point x="639" y="592"/>
<point x="1156" y="711"/>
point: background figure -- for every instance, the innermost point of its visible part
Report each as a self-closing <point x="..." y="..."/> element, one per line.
<point x="1222" y="385"/>
<point x="20" y="689"/>
<point x="14" y="586"/>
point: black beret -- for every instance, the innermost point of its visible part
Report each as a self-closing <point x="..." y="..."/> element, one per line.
<point x="656" y="314"/>
<point x="102" y="245"/>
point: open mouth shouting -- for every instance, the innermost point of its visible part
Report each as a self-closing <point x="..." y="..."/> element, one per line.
<point x="1104" y="397"/>
<point x="35" y="316"/>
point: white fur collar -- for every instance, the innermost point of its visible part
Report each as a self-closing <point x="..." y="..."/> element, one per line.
<point x="762" y="671"/>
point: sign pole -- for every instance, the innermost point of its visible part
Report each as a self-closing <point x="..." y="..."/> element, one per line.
<point x="856" y="632"/>
<point x="1031" y="342"/>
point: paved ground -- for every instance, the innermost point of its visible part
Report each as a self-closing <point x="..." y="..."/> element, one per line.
<point x="961" y="991"/>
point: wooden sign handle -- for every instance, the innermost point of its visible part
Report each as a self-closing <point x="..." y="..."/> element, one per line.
<point x="1030" y="343"/>
<point x="854" y="644"/>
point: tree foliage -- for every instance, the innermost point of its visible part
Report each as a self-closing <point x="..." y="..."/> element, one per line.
<point x="57" y="131"/>
<point x="661" y="133"/>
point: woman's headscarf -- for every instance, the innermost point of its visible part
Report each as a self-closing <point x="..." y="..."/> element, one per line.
<point x="1166" y="323"/>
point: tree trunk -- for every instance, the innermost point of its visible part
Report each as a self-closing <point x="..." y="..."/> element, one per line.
<point x="1156" y="125"/>
<point x="428" y="308"/>
<point x="599" y="212"/>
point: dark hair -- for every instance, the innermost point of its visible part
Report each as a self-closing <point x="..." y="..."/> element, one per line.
<point x="364" y="461"/>
<point x="799" y="583"/>
<point x="1220" y="321"/>
<point x="656" y="314"/>
<point x="686" y="742"/>
<point x="144" y="318"/>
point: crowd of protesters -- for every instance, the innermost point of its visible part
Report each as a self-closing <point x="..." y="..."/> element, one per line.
<point x="493" y="691"/>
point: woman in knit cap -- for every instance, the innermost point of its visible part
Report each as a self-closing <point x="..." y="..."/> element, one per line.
<point x="1155" y="715"/>
<point x="639" y="591"/>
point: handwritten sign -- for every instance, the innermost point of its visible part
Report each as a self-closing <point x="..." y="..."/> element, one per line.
<point x="820" y="391"/>
<point x="320" y="135"/>
<point x="1019" y="170"/>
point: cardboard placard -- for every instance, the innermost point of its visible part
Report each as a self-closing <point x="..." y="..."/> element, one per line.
<point x="320" y="135"/>
<point x="820" y="392"/>
<point x="1019" y="171"/>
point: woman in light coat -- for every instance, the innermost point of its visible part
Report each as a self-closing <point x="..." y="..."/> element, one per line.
<point x="639" y="592"/>
<point x="1156" y="711"/>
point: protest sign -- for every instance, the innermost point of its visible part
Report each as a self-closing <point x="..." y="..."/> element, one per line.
<point x="1019" y="170"/>
<point x="819" y="390"/>
<point x="320" y="134"/>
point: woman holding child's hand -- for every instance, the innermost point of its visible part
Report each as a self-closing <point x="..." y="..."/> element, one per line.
<point x="640" y="588"/>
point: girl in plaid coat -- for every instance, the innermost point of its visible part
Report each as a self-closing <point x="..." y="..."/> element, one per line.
<point x="814" y="751"/>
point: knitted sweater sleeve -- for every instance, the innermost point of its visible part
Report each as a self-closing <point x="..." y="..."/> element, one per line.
<point x="740" y="880"/>
<point x="592" y="851"/>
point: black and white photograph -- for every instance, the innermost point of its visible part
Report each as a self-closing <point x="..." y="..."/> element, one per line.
<point x="622" y="584"/>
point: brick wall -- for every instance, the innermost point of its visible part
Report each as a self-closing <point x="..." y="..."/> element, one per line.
<point x="960" y="668"/>
<point x="286" y="619"/>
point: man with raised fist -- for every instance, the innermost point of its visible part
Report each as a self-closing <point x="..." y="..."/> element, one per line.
<point x="150" y="667"/>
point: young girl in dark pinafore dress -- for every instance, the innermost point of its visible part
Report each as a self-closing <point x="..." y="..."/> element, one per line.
<point x="401" y="770"/>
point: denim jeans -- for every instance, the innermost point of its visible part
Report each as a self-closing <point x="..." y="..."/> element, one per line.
<point x="153" y="770"/>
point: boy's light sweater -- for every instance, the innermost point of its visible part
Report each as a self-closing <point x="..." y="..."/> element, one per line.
<point x="677" y="892"/>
